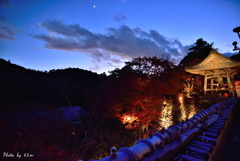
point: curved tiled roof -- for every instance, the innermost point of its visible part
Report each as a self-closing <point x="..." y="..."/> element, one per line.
<point x="213" y="61"/>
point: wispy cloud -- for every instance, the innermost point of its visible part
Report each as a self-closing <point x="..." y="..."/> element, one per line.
<point x="95" y="68"/>
<point x="119" y="17"/>
<point x="7" y="29"/>
<point x="123" y="42"/>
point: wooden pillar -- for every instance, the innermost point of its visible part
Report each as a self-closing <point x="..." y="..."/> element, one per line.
<point x="211" y="83"/>
<point x="233" y="83"/>
<point x="229" y="83"/>
<point x="220" y="82"/>
<point x="205" y="84"/>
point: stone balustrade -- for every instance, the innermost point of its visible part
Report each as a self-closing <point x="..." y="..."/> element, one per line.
<point x="168" y="144"/>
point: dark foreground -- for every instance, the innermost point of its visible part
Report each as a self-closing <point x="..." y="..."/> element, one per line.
<point x="231" y="148"/>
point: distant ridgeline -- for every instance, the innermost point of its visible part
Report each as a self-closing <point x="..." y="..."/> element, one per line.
<point x="21" y="85"/>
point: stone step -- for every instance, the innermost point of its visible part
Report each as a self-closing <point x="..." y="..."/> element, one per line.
<point x="209" y="149"/>
<point x="199" y="151"/>
<point x="188" y="158"/>
<point x="202" y="144"/>
<point x="211" y="134"/>
<point x="213" y="140"/>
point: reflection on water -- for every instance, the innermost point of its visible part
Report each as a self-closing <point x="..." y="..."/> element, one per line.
<point x="165" y="119"/>
<point x="187" y="111"/>
<point x="183" y="112"/>
<point x="171" y="113"/>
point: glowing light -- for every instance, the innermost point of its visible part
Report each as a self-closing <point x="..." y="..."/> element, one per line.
<point x="183" y="112"/>
<point x="165" y="120"/>
<point x="181" y="99"/>
<point x="187" y="111"/>
<point x="192" y="111"/>
<point x="130" y="120"/>
<point x="73" y="133"/>
<point x="94" y="6"/>
<point x="164" y="103"/>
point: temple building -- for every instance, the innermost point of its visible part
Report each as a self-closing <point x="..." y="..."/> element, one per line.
<point x="218" y="72"/>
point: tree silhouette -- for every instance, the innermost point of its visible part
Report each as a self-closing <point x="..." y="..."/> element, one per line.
<point x="197" y="53"/>
<point x="146" y="67"/>
<point x="236" y="57"/>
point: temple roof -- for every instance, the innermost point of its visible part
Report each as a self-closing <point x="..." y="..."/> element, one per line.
<point x="214" y="61"/>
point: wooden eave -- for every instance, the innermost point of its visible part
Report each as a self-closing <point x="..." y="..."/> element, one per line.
<point x="214" y="61"/>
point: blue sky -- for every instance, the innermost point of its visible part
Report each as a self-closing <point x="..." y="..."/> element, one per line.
<point x="100" y="35"/>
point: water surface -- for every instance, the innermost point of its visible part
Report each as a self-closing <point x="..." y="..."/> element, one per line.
<point x="172" y="114"/>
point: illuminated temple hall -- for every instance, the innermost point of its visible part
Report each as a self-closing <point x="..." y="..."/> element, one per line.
<point x="218" y="72"/>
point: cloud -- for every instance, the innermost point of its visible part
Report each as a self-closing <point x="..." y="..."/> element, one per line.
<point x="119" y="17"/>
<point x="95" y="68"/>
<point x="116" y="44"/>
<point x="7" y="29"/>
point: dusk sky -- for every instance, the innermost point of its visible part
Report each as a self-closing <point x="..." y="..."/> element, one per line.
<point x="100" y="35"/>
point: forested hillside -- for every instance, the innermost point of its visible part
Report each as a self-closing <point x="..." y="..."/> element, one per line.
<point x="20" y="85"/>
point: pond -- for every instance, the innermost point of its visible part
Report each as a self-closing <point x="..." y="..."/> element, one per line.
<point x="174" y="113"/>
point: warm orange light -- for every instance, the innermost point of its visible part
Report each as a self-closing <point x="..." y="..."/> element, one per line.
<point x="181" y="99"/>
<point x="73" y="133"/>
<point x="128" y="119"/>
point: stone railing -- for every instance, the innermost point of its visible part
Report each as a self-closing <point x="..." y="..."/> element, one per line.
<point x="168" y="144"/>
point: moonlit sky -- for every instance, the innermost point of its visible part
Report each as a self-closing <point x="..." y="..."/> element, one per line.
<point x="100" y="35"/>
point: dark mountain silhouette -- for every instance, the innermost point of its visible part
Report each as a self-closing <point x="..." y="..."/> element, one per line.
<point x="21" y="85"/>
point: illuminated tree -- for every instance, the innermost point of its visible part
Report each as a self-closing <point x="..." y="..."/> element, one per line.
<point x="141" y="84"/>
<point x="188" y="90"/>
